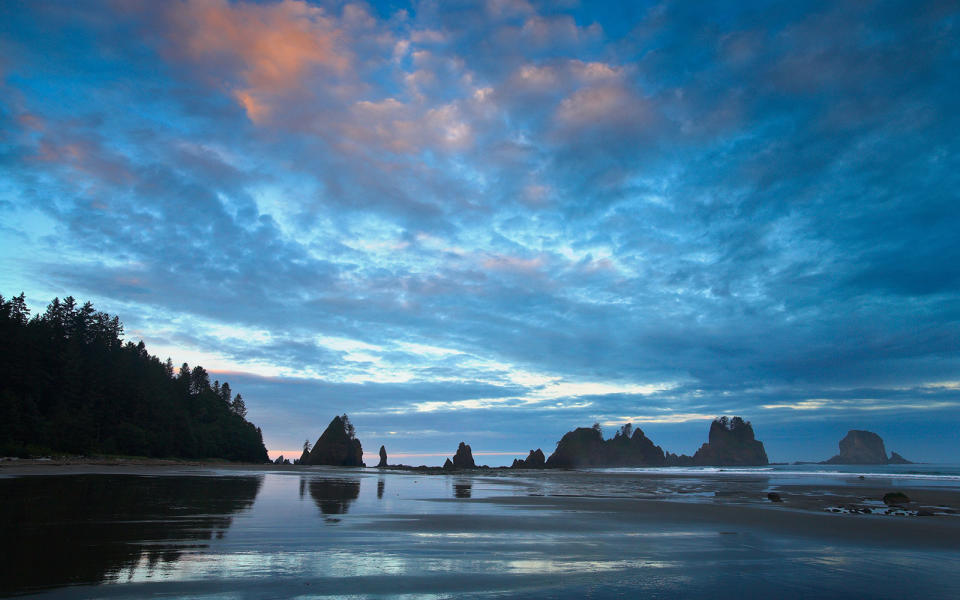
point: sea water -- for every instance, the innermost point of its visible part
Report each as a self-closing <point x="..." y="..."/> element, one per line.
<point x="362" y="533"/>
<point x="912" y="475"/>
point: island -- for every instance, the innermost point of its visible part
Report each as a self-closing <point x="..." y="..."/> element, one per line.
<point x="731" y="442"/>
<point x="861" y="447"/>
<point x="338" y="446"/>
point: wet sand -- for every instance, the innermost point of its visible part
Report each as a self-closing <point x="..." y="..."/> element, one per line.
<point x="321" y="532"/>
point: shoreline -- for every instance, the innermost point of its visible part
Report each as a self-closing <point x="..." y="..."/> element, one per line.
<point x="862" y="496"/>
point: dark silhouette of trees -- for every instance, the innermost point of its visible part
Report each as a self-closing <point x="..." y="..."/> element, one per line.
<point x="69" y="383"/>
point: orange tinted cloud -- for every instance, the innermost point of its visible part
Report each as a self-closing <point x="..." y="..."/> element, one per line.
<point x="268" y="49"/>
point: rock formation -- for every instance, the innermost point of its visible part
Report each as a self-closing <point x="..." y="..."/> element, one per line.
<point x="338" y="446"/>
<point x="672" y="460"/>
<point x="582" y="447"/>
<point x="383" y="457"/>
<point x="896" y="459"/>
<point x="633" y="450"/>
<point x="895" y="498"/>
<point x="731" y="443"/>
<point x="463" y="459"/>
<point x="534" y="460"/>
<point x="585" y="447"/>
<point x="860" y="447"/>
<point x="447" y="464"/>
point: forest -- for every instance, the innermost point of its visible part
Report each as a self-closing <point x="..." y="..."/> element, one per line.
<point x="69" y="384"/>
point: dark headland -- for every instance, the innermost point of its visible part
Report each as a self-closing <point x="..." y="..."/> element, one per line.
<point x="70" y="385"/>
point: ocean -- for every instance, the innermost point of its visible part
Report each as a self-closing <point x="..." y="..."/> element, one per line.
<point x="212" y="532"/>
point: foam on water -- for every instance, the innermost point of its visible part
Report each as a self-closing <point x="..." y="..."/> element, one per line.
<point x="945" y="474"/>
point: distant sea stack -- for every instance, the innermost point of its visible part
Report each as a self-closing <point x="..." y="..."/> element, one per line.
<point x="585" y="447"/>
<point x="860" y="447"/>
<point x="731" y="443"/>
<point x="383" y="457"/>
<point x="534" y="460"/>
<point x="463" y="459"/>
<point x="338" y="446"/>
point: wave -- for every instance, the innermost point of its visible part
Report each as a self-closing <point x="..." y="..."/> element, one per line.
<point x="940" y="474"/>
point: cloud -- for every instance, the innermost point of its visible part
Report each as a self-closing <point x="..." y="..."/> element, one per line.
<point x="262" y="51"/>
<point x="752" y="214"/>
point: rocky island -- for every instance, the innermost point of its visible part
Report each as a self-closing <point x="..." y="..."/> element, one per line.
<point x="731" y="442"/>
<point x="534" y="460"/>
<point x="337" y="446"/>
<point x="463" y="459"/>
<point x="585" y="447"/>
<point x="860" y="447"/>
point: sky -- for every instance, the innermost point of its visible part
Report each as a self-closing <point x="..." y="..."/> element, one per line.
<point x="496" y="221"/>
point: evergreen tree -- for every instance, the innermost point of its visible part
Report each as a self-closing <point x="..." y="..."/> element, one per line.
<point x="68" y="383"/>
<point x="238" y="406"/>
<point x="225" y="393"/>
<point x="199" y="380"/>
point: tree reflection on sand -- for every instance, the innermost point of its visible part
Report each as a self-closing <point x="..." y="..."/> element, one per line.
<point x="333" y="496"/>
<point x="84" y="529"/>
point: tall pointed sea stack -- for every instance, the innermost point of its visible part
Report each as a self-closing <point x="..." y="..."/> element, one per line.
<point x="338" y="446"/>
<point x="383" y="457"/>
<point x="463" y="459"/>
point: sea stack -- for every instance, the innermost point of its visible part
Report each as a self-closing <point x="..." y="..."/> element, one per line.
<point x="338" y="446"/>
<point x="383" y="457"/>
<point x="463" y="459"/>
<point x="731" y="443"/>
<point x="534" y="460"/>
<point x="585" y="447"/>
<point x="582" y="447"/>
<point x="860" y="447"/>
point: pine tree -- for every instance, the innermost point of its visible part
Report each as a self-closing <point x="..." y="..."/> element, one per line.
<point x="238" y="406"/>
<point x="225" y="393"/>
<point x="69" y="383"/>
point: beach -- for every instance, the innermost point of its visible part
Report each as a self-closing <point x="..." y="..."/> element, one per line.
<point x="123" y="529"/>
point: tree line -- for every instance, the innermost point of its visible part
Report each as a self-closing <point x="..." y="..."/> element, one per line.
<point x="70" y="384"/>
